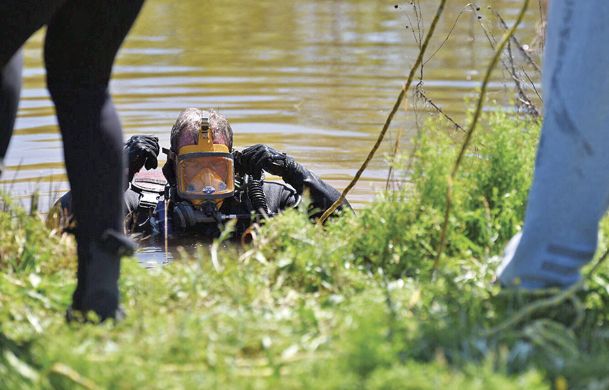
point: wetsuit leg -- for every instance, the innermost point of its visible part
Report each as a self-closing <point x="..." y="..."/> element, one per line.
<point x="10" y="89"/>
<point x="19" y="19"/>
<point x="82" y="40"/>
<point x="570" y="190"/>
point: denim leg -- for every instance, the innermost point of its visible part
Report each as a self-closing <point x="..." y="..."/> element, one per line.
<point x="570" y="191"/>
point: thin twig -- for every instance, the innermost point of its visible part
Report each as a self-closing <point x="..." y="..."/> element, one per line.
<point x="523" y="98"/>
<point x="450" y="32"/>
<point x="396" y="144"/>
<point x="512" y="71"/>
<point x="419" y="15"/>
<point x="518" y="45"/>
<point x="14" y="179"/>
<point x="395" y="108"/>
<point x="428" y="100"/>
<point x="416" y="38"/>
<point x="487" y="34"/>
<point x="534" y="87"/>
<point x="470" y="131"/>
<point x="421" y="31"/>
<point x="394" y="152"/>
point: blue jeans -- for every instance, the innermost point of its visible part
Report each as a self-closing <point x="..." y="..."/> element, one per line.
<point x="570" y="191"/>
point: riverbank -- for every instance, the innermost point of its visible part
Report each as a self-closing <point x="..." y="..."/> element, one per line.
<point x="357" y="304"/>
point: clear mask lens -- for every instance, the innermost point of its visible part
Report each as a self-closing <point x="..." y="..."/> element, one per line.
<point x="205" y="176"/>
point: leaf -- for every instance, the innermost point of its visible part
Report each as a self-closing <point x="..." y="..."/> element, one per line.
<point x="21" y="367"/>
<point x="73" y="375"/>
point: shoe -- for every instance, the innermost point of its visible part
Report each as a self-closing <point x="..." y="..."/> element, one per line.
<point x="98" y="273"/>
<point x="532" y="264"/>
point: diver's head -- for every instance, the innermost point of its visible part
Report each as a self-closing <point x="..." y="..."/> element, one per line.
<point x="186" y="129"/>
<point x="200" y="163"/>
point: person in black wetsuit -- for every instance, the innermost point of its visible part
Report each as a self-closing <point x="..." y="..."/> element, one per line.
<point x="82" y="39"/>
<point x="244" y="203"/>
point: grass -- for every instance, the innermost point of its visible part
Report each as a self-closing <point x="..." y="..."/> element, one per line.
<point x="353" y="305"/>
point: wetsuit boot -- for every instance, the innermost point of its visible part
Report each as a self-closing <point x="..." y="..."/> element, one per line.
<point x="98" y="274"/>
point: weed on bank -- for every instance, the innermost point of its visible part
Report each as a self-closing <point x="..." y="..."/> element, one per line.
<point x="356" y="304"/>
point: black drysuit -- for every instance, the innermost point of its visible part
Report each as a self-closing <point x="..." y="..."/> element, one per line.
<point x="147" y="218"/>
<point x="82" y="39"/>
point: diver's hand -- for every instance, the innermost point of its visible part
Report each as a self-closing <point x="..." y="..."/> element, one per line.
<point x="254" y="159"/>
<point x="142" y="150"/>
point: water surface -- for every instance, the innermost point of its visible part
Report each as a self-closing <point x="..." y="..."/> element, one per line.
<point x="315" y="79"/>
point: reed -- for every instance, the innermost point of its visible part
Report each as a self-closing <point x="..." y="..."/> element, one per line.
<point x="394" y="110"/>
<point x="472" y="127"/>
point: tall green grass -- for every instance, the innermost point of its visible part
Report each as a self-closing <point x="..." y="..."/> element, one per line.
<point x="355" y="304"/>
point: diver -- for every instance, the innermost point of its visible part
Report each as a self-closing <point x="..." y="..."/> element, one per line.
<point x="206" y="183"/>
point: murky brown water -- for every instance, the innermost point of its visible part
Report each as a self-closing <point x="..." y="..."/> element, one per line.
<point x="315" y="79"/>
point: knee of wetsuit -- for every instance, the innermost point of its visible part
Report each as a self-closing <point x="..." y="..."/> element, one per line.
<point x="75" y="91"/>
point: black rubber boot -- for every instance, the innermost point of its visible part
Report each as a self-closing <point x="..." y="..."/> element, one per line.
<point x="98" y="274"/>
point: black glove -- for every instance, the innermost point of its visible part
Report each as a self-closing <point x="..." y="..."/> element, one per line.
<point x="254" y="159"/>
<point x="141" y="151"/>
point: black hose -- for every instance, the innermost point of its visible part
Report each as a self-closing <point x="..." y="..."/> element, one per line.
<point x="256" y="195"/>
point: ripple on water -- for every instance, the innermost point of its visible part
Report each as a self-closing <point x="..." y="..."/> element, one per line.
<point x="315" y="79"/>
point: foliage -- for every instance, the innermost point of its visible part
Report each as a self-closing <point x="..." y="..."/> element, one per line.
<point x="355" y="304"/>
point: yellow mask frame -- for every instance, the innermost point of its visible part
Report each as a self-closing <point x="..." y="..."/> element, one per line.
<point x="207" y="153"/>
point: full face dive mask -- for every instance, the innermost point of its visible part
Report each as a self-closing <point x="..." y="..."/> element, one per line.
<point x="205" y="171"/>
